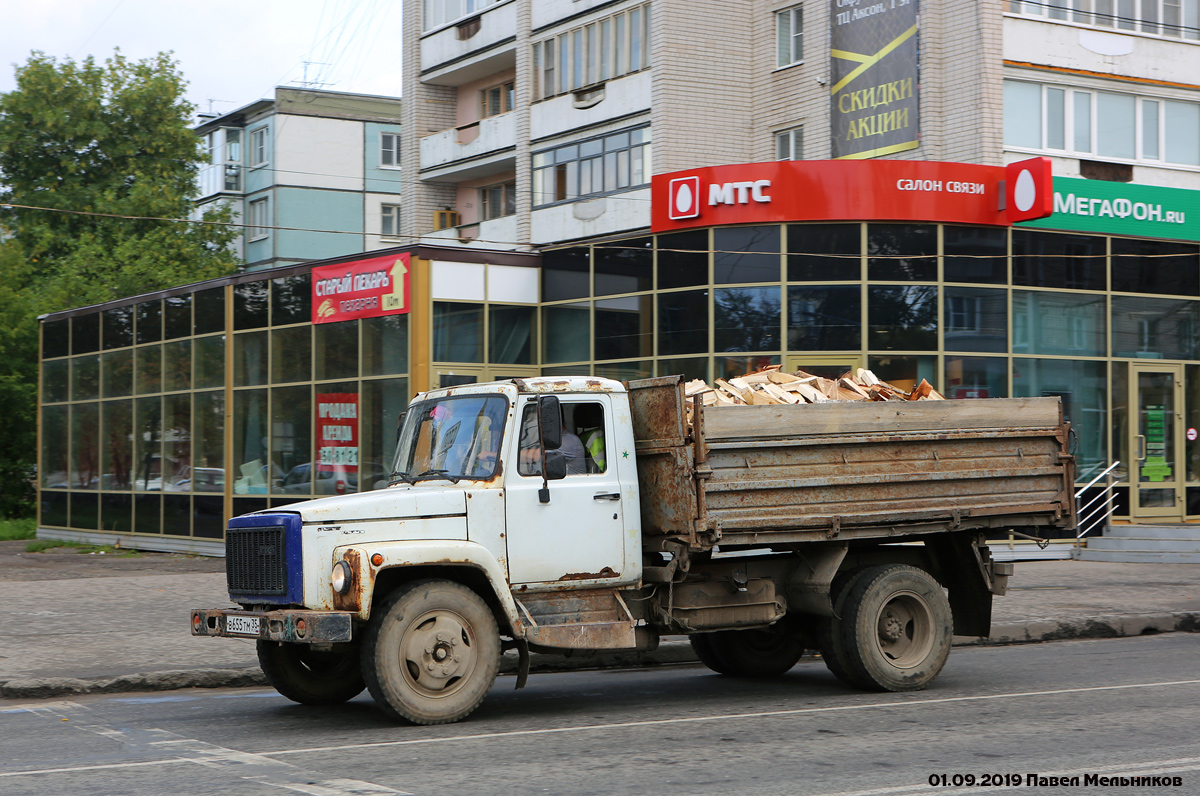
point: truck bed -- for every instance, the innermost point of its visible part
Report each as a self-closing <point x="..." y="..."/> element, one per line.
<point x="755" y="475"/>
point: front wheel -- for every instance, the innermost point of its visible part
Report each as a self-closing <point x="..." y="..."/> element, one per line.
<point x="310" y="676"/>
<point x="896" y="628"/>
<point x="761" y="652"/>
<point x="431" y="652"/>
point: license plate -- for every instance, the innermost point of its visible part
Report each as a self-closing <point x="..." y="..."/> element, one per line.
<point x="242" y="625"/>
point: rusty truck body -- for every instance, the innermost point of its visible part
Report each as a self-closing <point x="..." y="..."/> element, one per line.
<point x="557" y="514"/>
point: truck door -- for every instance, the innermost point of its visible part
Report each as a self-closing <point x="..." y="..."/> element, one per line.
<point x="580" y="534"/>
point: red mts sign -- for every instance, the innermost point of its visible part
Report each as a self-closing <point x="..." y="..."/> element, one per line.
<point x="337" y="432"/>
<point x="360" y="289"/>
<point x="850" y="190"/>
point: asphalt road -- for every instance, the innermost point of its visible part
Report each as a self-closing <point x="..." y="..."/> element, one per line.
<point x="1121" y="707"/>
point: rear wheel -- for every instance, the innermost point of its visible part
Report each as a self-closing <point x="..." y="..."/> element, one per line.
<point x="896" y="628"/>
<point x="431" y="652"/>
<point x="761" y="652"/>
<point x="309" y="676"/>
<point x="703" y="647"/>
<point x="829" y="633"/>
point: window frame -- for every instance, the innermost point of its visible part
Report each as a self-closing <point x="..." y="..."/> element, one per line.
<point x="392" y="211"/>
<point x="506" y="98"/>
<point x="794" y="137"/>
<point x="794" y="43"/>
<point x="259" y="216"/>
<point x="258" y="147"/>
<point x="588" y="55"/>
<point x="569" y="187"/>
<point x="508" y="200"/>
<point x="1107" y="15"/>
<point x="392" y="151"/>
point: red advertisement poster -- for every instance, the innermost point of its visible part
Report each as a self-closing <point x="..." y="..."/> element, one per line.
<point x="360" y="289"/>
<point x="337" y="432"/>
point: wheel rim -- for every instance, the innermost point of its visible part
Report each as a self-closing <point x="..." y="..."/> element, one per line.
<point x="437" y="653"/>
<point x="905" y="630"/>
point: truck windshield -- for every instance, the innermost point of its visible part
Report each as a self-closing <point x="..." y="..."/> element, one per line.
<point x="451" y="438"/>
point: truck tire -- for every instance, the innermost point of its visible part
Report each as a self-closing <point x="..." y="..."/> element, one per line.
<point x="829" y="631"/>
<point x="896" y="628"/>
<point x="760" y="652"/>
<point x="309" y="676"/>
<point x="703" y="647"/>
<point x="431" y="652"/>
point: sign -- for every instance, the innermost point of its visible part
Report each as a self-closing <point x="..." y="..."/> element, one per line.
<point x="337" y="432"/>
<point x="1121" y="208"/>
<point x="360" y="289"/>
<point x="971" y="392"/>
<point x="873" y="64"/>
<point x="1191" y="435"/>
<point x="849" y="190"/>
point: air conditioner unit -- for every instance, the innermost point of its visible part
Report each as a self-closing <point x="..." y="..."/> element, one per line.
<point x="445" y="219"/>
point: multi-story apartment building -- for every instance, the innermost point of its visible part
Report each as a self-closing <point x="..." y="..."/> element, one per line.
<point x="313" y="174"/>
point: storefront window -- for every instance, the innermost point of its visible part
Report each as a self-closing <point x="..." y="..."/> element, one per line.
<point x="683" y="322"/>
<point x="385" y="345"/>
<point x="564" y="274"/>
<point x="689" y="367"/>
<point x="55" y="380"/>
<point x="457" y="332"/>
<point x="117" y="325"/>
<point x="291" y="433"/>
<point x="975" y="254"/>
<point x="251" y="454"/>
<point x="511" y="335"/>
<point x="566" y="336"/>
<point x="383" y="401"/>
<point x="1058" y="323"/>
<point x="208" y="448"/>
<point x="683" y="259"/>
<point x="624" y="266"/>
<point x="177" y="443"/>
<point x="904" y="372"/>
<point x="147" y="513"/>
<point x="117" y="459"/>
<point x="1154" y="266"/>
<point x="1192" y="409"/>
<point x="177" y="365"/>
<point x="624" y="327"/>
<point x="209" y="362"/>
<point x="975" y="319"/>
<point x="1151" y="328"/>
<point x="85" y="511"/>
<point x="902" y="318"/>
<point x="56" y="338"/>
<point x="177" y="316"/>
<point x="1083" y="388"/>
<point x="291" y="354"/>
<point x="976" y="377"/>
<point x="249" y="305"/>
<point x="824" y="252"/>
<point x="55" y="441"/>
<point x="85" y="377"/>
<point x="732" y="367"/>
<point x="148" y="369"/>
<point x="85" y="446"/>
<point x="1047" y="259"/>
<point x="149" y="322"/>
<point x="147" y="445"/>
<point x="116" y="373"/>
<point x="824" y="318"/>
<point x="85" y="333"/>
<point x="625" y="371"/>
<point x="336" y="350"/>
<point x="209" y="311"/>
<point x="291" y="300"/>
<point x="116" y="512"/>
<point x="177" y="515"/>
<point x="249" y="359"/>
<point x="902" y="252"/>
<point x="746" y="319"/>
<point x="746" y="254"/>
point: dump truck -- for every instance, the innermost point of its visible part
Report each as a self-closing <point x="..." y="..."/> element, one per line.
<point x="558" y="514"/>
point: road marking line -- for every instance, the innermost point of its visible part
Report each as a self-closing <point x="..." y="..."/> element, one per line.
<point x="723" y="717"/>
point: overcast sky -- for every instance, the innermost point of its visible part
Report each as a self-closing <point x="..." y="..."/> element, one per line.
<point x="231" y="52"/>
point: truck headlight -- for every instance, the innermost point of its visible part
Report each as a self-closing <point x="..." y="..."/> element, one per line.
<point x="342" y="577"/>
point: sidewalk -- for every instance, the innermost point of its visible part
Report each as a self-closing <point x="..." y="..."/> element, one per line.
<point x="127" y="630"/>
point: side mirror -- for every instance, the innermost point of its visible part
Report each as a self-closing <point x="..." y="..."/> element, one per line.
<point x="550" y="422"/>
<point x="556" y="465"/>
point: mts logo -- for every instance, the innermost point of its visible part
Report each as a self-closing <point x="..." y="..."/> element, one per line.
<point x="684" y="195"/>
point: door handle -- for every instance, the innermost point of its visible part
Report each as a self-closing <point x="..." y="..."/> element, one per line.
<point x="606" y="496"/>
<point x="1141" y="446"/>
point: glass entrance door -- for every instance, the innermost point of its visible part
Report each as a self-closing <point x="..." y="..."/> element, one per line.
<point x="1157" y="472"/>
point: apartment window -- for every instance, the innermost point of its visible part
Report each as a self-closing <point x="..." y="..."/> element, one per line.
<point x="789" y="144"/>
<point x="614" y="162"/>
<point x="1102" y="123"/>
<point x="1175" y="18"/>
<point x="233" y="160"/>
<point x="389" y="150"/>
<point x="440" y="12"/>
<point x="611" y="47"/>
<point x="496" y="100"/>
<point x="389" y="220"/>
<point x="789" y="37"/>
<point x="496" y="201"/>
<point x="258" y="146"/>
<point x="259" y="219"/>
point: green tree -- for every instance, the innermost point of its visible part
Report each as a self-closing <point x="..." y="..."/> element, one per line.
<point x="98" y="167"/>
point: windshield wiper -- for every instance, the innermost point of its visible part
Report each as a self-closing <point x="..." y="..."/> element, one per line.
<point x="401" y="478"/>
<point x="454" y="479"/>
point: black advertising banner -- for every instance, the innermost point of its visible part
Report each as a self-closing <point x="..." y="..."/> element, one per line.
<point x="873" y="64"/>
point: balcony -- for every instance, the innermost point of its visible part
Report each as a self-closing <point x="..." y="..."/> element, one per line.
<point x="473" y="150"/>
<point x="471" y="48"/>
<point x="620" y="98"/>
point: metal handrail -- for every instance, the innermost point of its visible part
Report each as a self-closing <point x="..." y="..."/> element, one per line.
<point x="1088" y="518"/>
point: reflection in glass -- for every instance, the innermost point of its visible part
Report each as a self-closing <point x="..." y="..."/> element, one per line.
<point x="902" y="252"/>
<point x="566" y="337"/>
<point x="149" y="321"/>
<point x="1191" y="447"/>
<point x="148" y="368"/>
<point x="251" y="455"/>
<point x="85" y="446"/>
<point x="177" y="365"/>
<point x="209" y="361"/>
<point x="1058" y="323"/>
<point x="511" y="335"/>
<point x="975" y="319"/>
<point x="177" y="443"/>
<point x="383" y="401"/>
<point x="824" y="252"/>
<point x="385" y="345"/>
<point x="1150" y="328"/>
<point x="147" y="445"/>
<point x="683" y="322"/>
<point x="208" y="450"/>
<point x="1156" y="429"/>
<point x="118" y="445"/>
<point x="291" y="432"/>
<point x="117" y="324"/>
<point x="564" y="274"/>
<point x="54" y="447"/>
<point x="624" y="327"/>
<point x="177" y="316"/>
<point x="1143" y="266"/>
<point x="457" y="436"/>
<point x="116" y="369"/>
<point x="625" y="371"/>
<point x="85" y="377"/>
<point x="976" y="377"/>
<point x="55" y="378"/>
<point x="732" y="367"/>
<point x="336" y="350"/>
<point x="746" y="254"/>
<point x="1047" y="259"/>
<point x="457" y="332"/>
<point x="623" y="266"/>
<point x="683" y="259"/>
<point x="689" y="367"/>
<point x="249" y="305"/>
<point x="824" y="318"/>
<point x="291" y="300"/>
<point x="902" y="318"/>
<point x="291" y="354"/>
<point x="1083" y="388"/>
<point x="1119" y="385"/>
<point x="209" y="310"/>
<point x="746" y="319"/>
<point x="249" y="359"/>
<point x="905" y="372"/>
<point x="975" y="254"/>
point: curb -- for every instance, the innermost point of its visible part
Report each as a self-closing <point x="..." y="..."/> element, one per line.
<point x="669" y="653"/>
